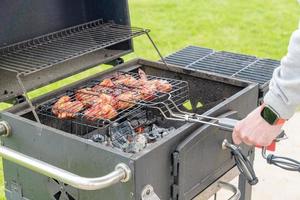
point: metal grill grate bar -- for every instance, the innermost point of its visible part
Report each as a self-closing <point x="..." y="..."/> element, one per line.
<point x="246" y="67"/>
<point x="188" y="55"/>
<point x="43" y="52"/>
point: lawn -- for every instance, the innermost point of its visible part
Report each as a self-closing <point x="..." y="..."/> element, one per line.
<point x="254" y="27"/>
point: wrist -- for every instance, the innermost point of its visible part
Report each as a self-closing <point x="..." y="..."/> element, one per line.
<point x="284" y="110"/>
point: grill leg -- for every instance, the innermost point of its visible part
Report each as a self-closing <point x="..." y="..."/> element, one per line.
<point x="245" y="188"/>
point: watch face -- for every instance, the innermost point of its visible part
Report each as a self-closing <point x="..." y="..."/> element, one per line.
<point x="269" y="115"/>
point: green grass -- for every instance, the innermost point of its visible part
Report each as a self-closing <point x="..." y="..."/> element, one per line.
<point x="253" y="27"/>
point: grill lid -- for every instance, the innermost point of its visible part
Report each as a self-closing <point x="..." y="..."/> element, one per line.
<point x="42" y="42"/>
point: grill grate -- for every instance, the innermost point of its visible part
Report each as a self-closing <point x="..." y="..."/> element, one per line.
<point x="43" y="52"/>
<point x="245" y="67"/>
<point x="82" y="125"/>
<point x="188" y="55"/>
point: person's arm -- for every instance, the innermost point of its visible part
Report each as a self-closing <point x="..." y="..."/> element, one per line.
<point x="284" y="93"/>
<point x="283" y="97"/>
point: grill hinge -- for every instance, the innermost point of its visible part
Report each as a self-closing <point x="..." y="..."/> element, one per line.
<point x="175" y="173"/>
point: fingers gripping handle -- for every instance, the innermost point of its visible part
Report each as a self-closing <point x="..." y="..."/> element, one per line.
<point x="231" y="123"/>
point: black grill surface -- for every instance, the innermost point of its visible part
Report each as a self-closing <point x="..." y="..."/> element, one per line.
<point x="250" y="68"/>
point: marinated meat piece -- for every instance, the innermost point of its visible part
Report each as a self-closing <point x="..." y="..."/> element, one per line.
<point x="155" y="84"/>
<point x="70" y="110"/>
<point x="103" y="89"/>
<point x="100" y="111"/>
<point x="59" y="104"/>
<point x="126" y="80"/>
<point x="161" y="85"/>
<point x="107" y="90"/>
<point x="147" y="93"/>
<point x="89" y="97"/>
<point x="107" y="83"/>
<point x="142" y="75"/>
<point x="127" y="100"/>
<point x="64" y="108"/>
<point x="107" y="99"/>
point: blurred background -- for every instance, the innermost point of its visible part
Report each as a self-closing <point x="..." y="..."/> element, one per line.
<point x="256" y="27"/>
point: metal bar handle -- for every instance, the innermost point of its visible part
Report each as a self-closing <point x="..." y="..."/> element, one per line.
<point x="227" y="186"/>
<point x="121" y="173"/>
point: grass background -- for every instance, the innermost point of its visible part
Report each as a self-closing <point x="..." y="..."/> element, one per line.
<point x="255" y="27"/>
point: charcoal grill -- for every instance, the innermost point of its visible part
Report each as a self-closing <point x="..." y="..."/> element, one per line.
<point x="50" y="158"/>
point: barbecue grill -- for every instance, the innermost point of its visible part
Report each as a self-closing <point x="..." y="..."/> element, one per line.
<point x="145" y="151"/>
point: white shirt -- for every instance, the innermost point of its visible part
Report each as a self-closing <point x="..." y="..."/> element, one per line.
<point x="284" y="93"/>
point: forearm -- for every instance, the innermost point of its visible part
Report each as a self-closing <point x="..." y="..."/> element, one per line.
<point x="284" y="92"/>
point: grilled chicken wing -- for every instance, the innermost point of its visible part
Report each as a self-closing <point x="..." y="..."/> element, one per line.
<point x="59" y="104"/>
<point x="142" y="75"/>
<point x="64" y="108"/>
<point x="147" y="93"/>
<point x="160" y="85"/>
<point x="107" y="90"/>
<point x="100" y="111"/>
<point x="89" y="97"/>
<point x="127" y="100"/>
<point x="155" y="84"/>
<point x="127" y="80"/>
<point x="107" y="83"/>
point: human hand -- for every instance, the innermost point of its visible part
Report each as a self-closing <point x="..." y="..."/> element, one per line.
<point x="254" y="130"/>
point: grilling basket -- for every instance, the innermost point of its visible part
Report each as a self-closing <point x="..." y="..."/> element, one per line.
<point x="139" y="130"/>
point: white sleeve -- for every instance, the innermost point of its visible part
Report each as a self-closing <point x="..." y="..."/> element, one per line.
<point x="284" y="91"/>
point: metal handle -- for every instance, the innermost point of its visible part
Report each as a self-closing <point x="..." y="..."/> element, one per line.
<point x="285" y="163"/>
<point x="121" y="173"/>
<point x="227" y="186"/>
<point x="242" y="162"/>
<point x="227" y="122"/>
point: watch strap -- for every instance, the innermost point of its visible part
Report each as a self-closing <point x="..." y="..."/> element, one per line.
<point x="280" y="121"/>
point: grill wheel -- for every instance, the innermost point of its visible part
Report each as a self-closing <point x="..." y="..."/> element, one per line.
<point x="61" y="191"/>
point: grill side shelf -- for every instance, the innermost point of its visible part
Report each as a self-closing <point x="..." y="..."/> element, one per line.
<point x="46" y="51"/>
<point x="245" y="67"/>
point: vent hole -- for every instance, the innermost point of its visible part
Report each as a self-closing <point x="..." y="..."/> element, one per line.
<point x="57" y="195"/>
<point x="69" y="196"/>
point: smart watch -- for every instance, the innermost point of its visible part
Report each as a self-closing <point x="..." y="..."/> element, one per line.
<point x="271" y="116"/>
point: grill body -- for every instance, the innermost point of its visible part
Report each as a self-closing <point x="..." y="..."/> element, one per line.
<point x="44" y="41"/>
<point x="201" y="159"/>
